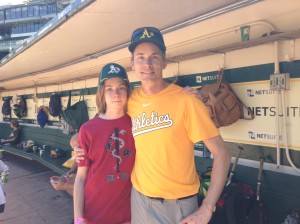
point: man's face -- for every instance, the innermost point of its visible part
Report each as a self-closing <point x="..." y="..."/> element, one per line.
<point x="148" y="62"/>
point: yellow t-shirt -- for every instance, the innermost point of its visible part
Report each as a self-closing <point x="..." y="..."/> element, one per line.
<point x="165" y="128"/>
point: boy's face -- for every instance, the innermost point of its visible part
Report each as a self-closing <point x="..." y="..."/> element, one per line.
<point x="115" y="93"/>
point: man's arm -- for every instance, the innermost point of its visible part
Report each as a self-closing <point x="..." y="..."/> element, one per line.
<point x="79" y="154"/>
<point x="219" y="173"/>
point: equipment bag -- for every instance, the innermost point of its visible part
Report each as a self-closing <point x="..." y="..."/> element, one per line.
<point x="6" y="110"/>
<point x="231" y="206"/>
<point x="66" y="128"/>
<point x="255" y="210"/>
<point x="28" y="147"/>
<point x="42" y="116"/>
<point x="204" y="184"/>
<point x="223" y="105"/>
<point x="23" y="106"/>
<point x="76" y="114"/>
<point x="20" y="109"/>
<point x="55" y="105"/>
<point x="293" y="217"/>
<point x="17" y="110"/>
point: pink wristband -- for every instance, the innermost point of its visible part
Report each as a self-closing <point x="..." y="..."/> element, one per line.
<point x="79" y="220"/>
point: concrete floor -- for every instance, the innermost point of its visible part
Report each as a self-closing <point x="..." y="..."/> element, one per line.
<point x="30" y="197"/>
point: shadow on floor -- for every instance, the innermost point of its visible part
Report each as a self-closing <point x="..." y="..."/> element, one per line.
<point x="31" y="198"/>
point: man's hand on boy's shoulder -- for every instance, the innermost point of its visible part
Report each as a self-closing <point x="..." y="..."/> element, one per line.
<point x="79" y="154"/>
<point x="192" y="91"/>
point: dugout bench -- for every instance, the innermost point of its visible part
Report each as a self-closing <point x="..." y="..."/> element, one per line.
<point x="53" y="138"/>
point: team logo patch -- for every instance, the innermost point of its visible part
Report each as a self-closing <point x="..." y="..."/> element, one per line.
<point x="114" y="70"/>
<point x="147" y="34"/>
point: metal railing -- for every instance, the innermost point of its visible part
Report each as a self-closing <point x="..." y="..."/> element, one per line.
<point x="10" y="44"/>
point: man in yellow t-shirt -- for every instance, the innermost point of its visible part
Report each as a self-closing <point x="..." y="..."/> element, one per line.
<point x="166" y="124"/>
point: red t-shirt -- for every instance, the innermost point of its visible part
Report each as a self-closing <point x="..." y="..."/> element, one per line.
<point x="109" y="155"/>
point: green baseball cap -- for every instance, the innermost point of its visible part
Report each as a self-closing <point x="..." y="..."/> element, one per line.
<point x="147" y="34"/>
<point x="112" y="70"/>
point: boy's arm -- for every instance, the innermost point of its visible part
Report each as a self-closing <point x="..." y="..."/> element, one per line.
<point x="10" y="139"/>
<point x="79" y="192"/>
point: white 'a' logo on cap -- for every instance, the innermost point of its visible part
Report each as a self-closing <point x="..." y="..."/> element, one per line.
<point x="114" y="69"/>
<point x="147" y="34"/>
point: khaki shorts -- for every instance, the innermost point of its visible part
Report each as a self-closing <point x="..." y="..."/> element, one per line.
<point x="156" y="211"/>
